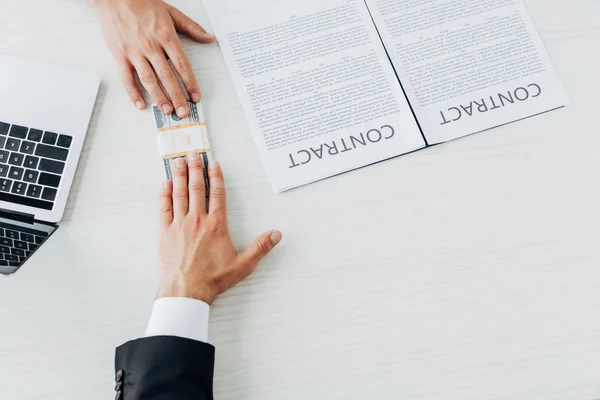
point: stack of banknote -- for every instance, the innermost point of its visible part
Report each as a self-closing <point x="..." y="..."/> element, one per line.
<point x="179" y="136"/>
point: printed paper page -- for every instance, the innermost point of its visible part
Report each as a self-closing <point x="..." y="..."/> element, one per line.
<point x="315" y="84"/>
<point x="467" y="65"/>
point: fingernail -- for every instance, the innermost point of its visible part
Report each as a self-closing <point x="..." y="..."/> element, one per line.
<point x="182" y="111"/>
<point x="195" y="97"/>
<point x="166" y="108"/>
<point x="139" y="105"/>
<point x="166" y="184"/>
<point x="179" y="162"/>
<point x="192" y="155"/>
<point x="276" y="237"/>
<point x="213" y="164"/>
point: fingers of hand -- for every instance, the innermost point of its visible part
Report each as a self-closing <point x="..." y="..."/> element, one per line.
<point x="150" y="83"/>
<point x="188" y="26"/>
<point x="184" y="70"/>
<point x="130" y="85"/>
<point x="166" y="203"/>
<point x="196" y="185"/>
<point x="218" y="197"/>
<point x="169" y="82"/>
<point x="180" y="188"/>
<point x="258" y="250"/>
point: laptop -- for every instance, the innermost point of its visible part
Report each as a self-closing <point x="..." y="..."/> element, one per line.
<point x="45" y="111"/>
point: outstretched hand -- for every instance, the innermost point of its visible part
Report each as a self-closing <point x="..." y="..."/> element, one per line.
<point x="142" y="36"/>
<point x="197" y="256"/>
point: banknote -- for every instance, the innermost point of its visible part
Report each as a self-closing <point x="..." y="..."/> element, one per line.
<point x="178" y="136"/>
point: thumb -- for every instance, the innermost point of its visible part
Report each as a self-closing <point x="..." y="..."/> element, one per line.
<point x="260" y="248"/>
<point x="188" y="26"/>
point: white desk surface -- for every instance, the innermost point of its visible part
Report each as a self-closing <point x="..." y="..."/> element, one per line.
<point x="466" y="271"/>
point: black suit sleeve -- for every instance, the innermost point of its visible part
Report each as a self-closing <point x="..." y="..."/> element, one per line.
<point x="164" y="368"/>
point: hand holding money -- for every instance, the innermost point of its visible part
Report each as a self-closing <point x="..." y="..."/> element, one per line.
<point x="178" y="136"/>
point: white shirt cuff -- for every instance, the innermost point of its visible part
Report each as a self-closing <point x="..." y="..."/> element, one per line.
<point x="179" y="316"/>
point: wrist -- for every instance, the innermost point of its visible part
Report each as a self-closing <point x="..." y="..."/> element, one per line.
<point x="178" y="287"/>
<point x="100" y="3"/>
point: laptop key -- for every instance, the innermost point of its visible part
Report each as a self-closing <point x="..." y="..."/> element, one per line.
<point x="64" y="141"/>
<point x="56" y="167"/>
<point x="14" y="263"/>
<point x="27" y="253"/>
<point x="2" y="141"/>
<point x="4" y="128"/>
<point x="49" y="194"/>
<point x="3" y="263"/>
<point x="5" y="249"/>
<point x="10" y="257"/>
<point x="49" y="138"/>
<point x="3" y="170"/>
<point x="19" y="188"/>
<point x="30" y="162"/>
<point x="27" y="147"/>
<point x="31" y="176"/>
<point x="4" y="156"/>
<point x="55" y="153"/>
<point x="32" y="246"/>
<point x="12" y="234"/>
<point x="28" y="237"/>
<point x="5" y="185"/>
<point x="6" y="242"/>
<point x="18" y="131"/>
<point x="16" y="173"/>
<point x="17" y="252"/>
<point x="34" y="190"/>
<point x="12" y="144"/>
<point x="21" y="245"/>
<point x="49" y="180"/>
<point x="26" y="201"/>
<point x="35" y="135"/>
<point x="38" y="240"/>
<point x="1" y="231"/>
<point x="16" y="159"/>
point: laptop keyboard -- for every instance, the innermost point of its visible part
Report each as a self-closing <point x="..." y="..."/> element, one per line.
<point x="17" y="243"/>
<point x="32" y="162"/>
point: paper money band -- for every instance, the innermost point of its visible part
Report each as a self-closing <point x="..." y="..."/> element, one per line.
<point x="177" y="127"/>
<point x="184" y="153"/>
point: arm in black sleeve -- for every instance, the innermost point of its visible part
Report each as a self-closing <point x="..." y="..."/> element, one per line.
<point x="164" y="368"/>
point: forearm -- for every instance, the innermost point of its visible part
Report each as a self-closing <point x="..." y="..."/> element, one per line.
<point x="165" y="367"/>
<point x="173" y="360"/>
